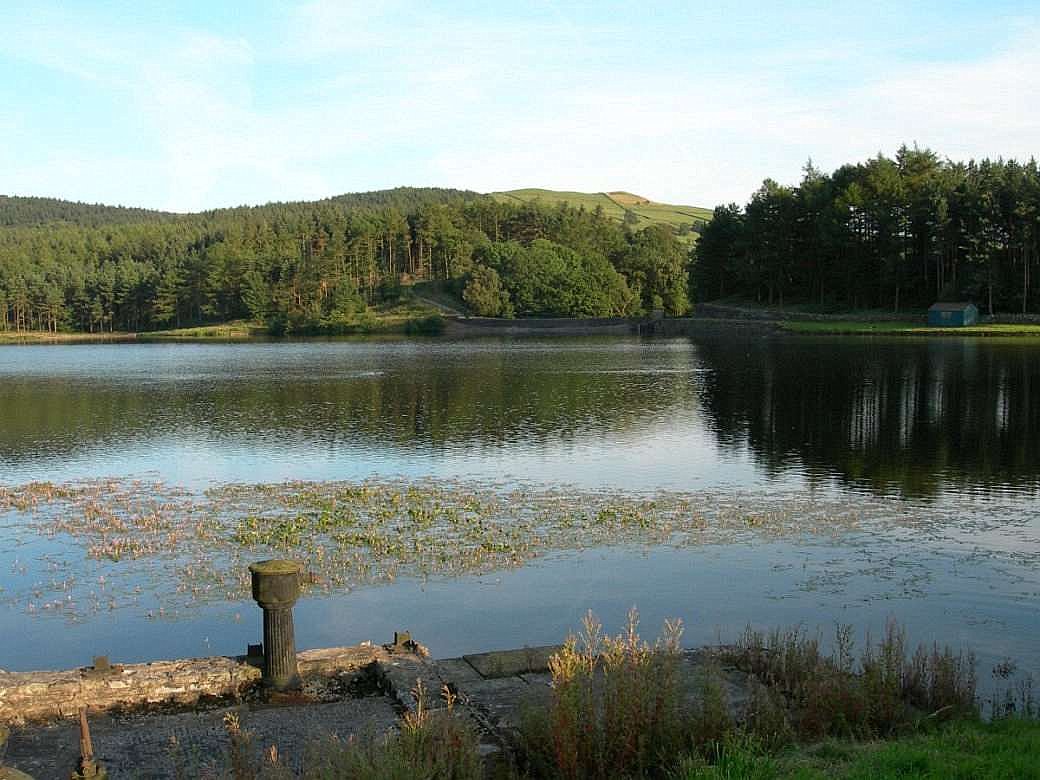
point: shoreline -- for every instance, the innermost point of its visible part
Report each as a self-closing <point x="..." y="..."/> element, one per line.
<point x="710" y="319"/>
<point x="368" y="689"/>
<point x="867" y="323"/>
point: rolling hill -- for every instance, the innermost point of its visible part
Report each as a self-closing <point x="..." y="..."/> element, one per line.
<point x="615" y="204"/>
<point x="18" y="211"/>
<point x="35" y="211"/>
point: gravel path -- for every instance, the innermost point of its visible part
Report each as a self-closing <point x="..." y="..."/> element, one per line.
<point x="125" y="744"/>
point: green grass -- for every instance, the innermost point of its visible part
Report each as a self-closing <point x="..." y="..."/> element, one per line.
<point x="617" y="711"/>
<point x="225" y="331"/>
<point x="237" y="329"/>
<point x="853" y="327"/>
<point x="963" y="749"/>
<point x="47" y="337"/>
<point x="616" y="708"/>
<point x="399" y="317"/>
<point x="614" y="205"/>
<point x="438" y="295"/>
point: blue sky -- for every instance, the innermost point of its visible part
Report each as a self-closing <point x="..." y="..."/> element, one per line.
<point x="193" y="105"/>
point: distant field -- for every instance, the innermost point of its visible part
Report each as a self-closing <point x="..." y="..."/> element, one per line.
<point x="614" y="205"/>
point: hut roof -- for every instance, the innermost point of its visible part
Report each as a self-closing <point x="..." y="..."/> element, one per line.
<point x="949" y="306"/>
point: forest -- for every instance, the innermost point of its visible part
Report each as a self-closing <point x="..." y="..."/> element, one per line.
<point x="890" y="233"/>
<point x="314" y="267"/>
<point x="896" y="234"/>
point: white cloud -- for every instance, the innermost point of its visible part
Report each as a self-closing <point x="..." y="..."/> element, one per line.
<point x="989" y="107"/>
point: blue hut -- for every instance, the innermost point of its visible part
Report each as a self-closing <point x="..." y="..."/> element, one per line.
<point x="953" y="315"/>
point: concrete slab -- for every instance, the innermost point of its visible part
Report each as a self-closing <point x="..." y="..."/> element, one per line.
<point x="697" y="664"/>
<point x="456" y="671"/>
<point x="502" y="700"/>
<point x="401" y="675"/>
<point x="543" y="679"/>
<point x="508" y="663"/>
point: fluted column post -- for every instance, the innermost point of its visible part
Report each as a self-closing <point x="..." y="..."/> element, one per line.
<point x="276" y="586"/>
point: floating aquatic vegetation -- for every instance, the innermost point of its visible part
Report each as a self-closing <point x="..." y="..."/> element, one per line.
<point x="110" y="543"/>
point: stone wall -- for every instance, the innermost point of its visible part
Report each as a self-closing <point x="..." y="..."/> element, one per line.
<point x="774" y="314"/>
<point x="41" y="696"/>
<point x="548" y="326"/>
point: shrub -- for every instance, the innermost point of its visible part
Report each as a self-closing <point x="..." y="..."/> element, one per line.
<point x="485" y="295"/>
<point x="767" y="719"/>
<point x="425" y="326"/>
<point x="886" y="691"/>
<point x="616" y="708"/>
<point x="711" y="719"/>
<point x="442" y="747"/>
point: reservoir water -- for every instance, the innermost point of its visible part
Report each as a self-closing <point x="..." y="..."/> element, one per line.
<point x="925" y="452"/>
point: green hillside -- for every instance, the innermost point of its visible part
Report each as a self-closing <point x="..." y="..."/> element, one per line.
<point x="329" y="266"/>
<point x="16" y="211"/>
<point x="32" y="212"/>
<point x="614" y="204"/>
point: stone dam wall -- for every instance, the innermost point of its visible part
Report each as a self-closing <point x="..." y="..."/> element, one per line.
<point x="27" y="697"/>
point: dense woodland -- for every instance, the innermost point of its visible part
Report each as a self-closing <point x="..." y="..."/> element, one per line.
<point x="888" y="234"/>
<point x="893" y="234"/>
<point x="313" y="267"/>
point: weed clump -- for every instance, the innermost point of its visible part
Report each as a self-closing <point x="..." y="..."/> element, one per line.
<point x="433" y="325"/>
<point x="885" y="691"/>
<point x="619" y="710"/>
<point x="616" y="709"/>
<point x="430" y="745"/>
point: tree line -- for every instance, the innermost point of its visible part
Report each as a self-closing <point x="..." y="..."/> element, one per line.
<point x="889" y="233"/>
<point x="312" y="267"/>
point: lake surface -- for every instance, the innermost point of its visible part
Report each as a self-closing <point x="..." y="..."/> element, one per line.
<point x="933" y="444"/>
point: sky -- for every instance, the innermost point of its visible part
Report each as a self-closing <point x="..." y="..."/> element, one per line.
<point x="200" y="104"/>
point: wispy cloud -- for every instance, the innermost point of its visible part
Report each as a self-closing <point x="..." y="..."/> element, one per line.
<point x="341" y="96"/>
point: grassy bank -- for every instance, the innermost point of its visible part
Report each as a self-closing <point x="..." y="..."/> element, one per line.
<point x="224" y="331"/>
<point x="406" y="316"/>
<point x="827" y="320"/>
<point x="48" y="337"/>
<point x="620" y="708"/>
<point x="889" y="328"/>
<point x="962" y="749"/>
<point x="439" y="745"/>
<point x="412" y="316"/>
<point x="443" y="747"/>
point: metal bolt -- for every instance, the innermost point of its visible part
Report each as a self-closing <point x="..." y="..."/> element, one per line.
<point x="276" y="586"/>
